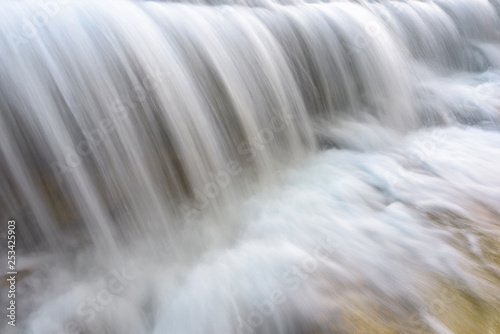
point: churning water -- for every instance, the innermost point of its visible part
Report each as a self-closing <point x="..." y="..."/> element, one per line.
<point x="261" y="166"/>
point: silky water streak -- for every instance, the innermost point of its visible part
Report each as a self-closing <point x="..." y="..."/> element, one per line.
<point x="252" y="166"/>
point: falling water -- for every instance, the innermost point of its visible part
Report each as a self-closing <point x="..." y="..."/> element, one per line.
<point x="252" y="166"/>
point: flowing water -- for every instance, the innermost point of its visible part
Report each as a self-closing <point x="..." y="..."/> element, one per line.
<point x="251" y="166"/>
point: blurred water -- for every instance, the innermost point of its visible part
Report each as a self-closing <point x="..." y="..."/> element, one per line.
<point x="252" y="167"/>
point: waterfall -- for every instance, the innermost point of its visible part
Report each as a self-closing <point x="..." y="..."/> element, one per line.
<point x="217" y="147"/>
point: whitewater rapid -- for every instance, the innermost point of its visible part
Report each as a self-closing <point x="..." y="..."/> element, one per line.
<point x="352" y="241"/>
